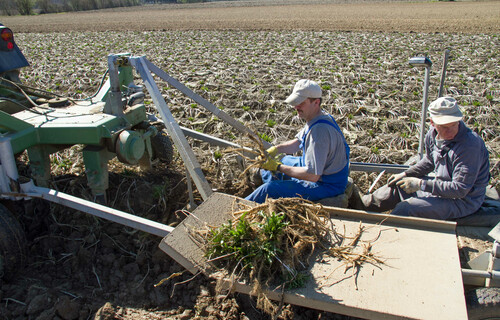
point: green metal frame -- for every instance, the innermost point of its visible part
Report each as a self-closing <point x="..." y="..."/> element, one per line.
<point x="46" y="132"/>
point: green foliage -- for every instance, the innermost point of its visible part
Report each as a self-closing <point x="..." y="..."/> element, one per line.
<point x="246" y="243"/>
<point x="217" y="154"/>
<point x="270" y="123"/>
<point x="62" y="162"/>
<point x="265" y="137"/>
<point x="296" y="280"/>
<point x="25" y="7"/>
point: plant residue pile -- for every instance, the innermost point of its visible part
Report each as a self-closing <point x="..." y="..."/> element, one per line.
<point x="269" y="246"/>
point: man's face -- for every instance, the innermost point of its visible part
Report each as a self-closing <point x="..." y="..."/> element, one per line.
<point x="446" y="131"/>
<point x="308" y="109"/>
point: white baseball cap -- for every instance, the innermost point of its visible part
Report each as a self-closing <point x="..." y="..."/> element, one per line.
<point x="303" y="89"/>
<point x="444" y="110"/>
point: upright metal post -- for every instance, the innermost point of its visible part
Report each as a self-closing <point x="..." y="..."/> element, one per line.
<point x="443" y="72"/>
<point x="114" y="101"/>
<point x="424" y="113"/>
<point x="427" y="63"/>
<point x="173" y="128"/>
<point x="10" y="179"/>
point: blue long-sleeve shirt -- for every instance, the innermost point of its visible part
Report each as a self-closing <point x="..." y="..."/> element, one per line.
<point x="461" y="173"/>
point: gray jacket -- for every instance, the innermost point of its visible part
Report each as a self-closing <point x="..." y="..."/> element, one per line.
<point x="461" y="166"/>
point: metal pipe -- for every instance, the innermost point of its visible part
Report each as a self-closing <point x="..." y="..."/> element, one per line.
<point x="4" y="185"/>
<point x="9" y="165"/>
<point x="443" y="72"/>
<point x="123" y="218"/>
<point x="481" y="274"/>
<point x="115" y="95"/>
<point x="424" y="113"/>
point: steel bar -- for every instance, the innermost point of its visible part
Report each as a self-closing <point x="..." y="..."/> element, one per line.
<point x="173" y="128"/>
<point x="443" y="72"/>
<point x="376" y="180"/>
<point x="4" y="185"/>
<point x="123" y="218"/>
<point x="424" y="113"/>
<point x="115" y="95"/>
<point x="201" y="101"/>
<point x="8" y="163"/>
<point x="495" y="275"/>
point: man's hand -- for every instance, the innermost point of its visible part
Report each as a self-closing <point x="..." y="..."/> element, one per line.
<point x="272" y="152"/>
<point x="271" y="164"/>
<point x="395" y="178"/>
<point x="409" y="185"/>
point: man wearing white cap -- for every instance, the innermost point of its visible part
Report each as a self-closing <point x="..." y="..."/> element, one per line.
<point x="460" y="162"/>
<point x="323" y="168"/>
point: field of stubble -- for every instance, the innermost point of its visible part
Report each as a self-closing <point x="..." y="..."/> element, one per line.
<point x="245" y="61"/>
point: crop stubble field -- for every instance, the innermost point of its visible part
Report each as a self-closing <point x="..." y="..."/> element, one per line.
<point x="245" y="58"/>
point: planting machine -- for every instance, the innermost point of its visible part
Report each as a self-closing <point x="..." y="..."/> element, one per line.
<point x="114" y="123"/>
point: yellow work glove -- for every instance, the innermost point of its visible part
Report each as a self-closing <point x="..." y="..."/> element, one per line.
<point x="272" y="152"/>
<point x="271" y="164"/>
<point x="395" y="178"/>
<point x="409" y="185"/>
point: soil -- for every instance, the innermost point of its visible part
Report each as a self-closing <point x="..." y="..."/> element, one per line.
<point x="317" y="15"/>
<point x="244" y="57"/>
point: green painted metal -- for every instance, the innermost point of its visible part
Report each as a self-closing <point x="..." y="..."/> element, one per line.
<point x="43" y="131"/>
<point x="40" y="164"/>
<point x="96" y="160"/>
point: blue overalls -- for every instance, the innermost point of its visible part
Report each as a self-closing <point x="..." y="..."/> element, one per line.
<point x="280" y="185"/>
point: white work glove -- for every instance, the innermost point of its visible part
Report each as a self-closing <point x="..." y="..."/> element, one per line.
<point x="395" y="178"/>
<point x="409" y="185"/>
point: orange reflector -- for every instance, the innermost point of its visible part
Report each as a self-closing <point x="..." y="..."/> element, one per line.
<point x="6" y="35"/>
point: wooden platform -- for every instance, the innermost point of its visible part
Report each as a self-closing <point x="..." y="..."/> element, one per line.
<point x="421" y="277"/>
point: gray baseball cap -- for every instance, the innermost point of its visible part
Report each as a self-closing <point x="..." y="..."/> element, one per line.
<point x="444" y="110"/>
<point x="303" y="89"/>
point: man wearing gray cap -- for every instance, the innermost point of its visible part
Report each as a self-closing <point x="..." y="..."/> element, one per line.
<point x="323" y="168"/>
<point x="460" y="162"/>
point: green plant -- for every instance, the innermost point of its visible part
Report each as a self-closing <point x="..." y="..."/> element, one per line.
<point x="296" y="280"/>
<point x="217" y="154"/>
<point x="375" y="150"/>
<point x="248" y="244"/>
<point x="270" y="123"/>
<point x="265" y="137"/>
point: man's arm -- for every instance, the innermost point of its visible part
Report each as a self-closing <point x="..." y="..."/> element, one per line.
<point x="289" y="147"/>
<point x="299" y="173"/>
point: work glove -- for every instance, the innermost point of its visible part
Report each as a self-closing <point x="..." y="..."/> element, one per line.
<point x="409" y="185"/>
<point x="271" y="164"/>
<point x="272" y="152"/>
<point x="395" y="178"/>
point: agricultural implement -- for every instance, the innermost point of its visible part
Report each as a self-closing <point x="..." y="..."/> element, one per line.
<point x="114" y="123"/>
